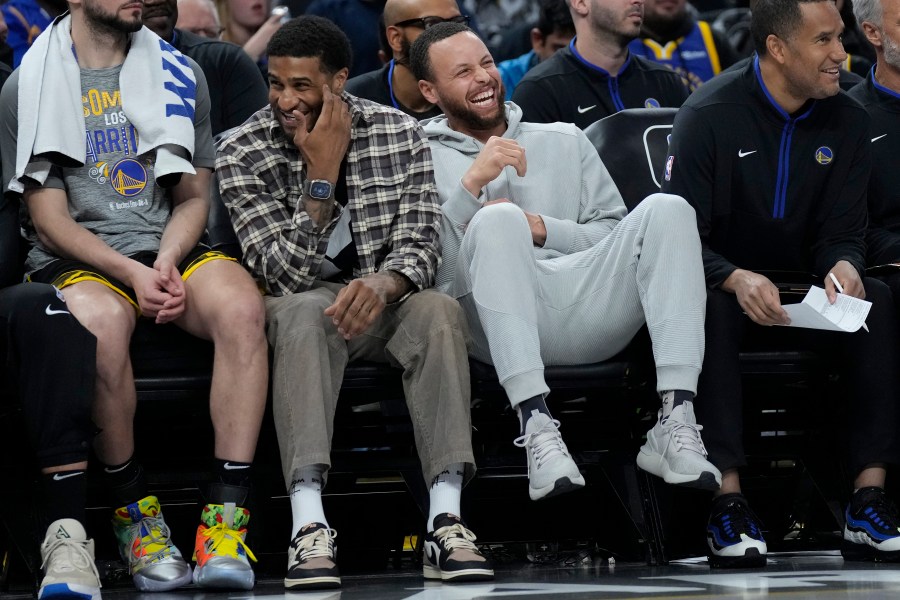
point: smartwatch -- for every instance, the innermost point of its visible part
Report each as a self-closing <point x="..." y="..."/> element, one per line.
<point x="318" y="189"/>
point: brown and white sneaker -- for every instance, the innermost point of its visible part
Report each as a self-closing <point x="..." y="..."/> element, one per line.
<point x="311" y="559"/>
<point x="451" y="554"/>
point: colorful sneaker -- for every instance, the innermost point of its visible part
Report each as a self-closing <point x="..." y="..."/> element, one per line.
<point x="872" y="529"/>
<point x="451" y="554"/>
<point x="68" y="562"/>
<point x="222" y="556"/>
<point x="551" y="470"/>
<point x="311" y="559"/>
<point x="146" y="546"/>
<point x="734" y="535"/>
<point x="675" y="452"/>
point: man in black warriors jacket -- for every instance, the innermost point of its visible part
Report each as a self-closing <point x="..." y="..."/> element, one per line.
<point x="880" y="95"/>
<point x="776" y="160"/>
<point x="596" y="75"/>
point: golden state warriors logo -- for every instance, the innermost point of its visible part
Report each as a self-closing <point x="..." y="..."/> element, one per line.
<point x="824" y="155"/>
<point x="128" y="177"/>
<point x="651" y="103"/>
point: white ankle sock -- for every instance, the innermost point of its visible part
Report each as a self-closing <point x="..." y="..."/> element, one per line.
<point x="306" y="497"/>
<point x="445" y="493"/>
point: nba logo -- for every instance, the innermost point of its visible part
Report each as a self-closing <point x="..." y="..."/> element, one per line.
<point x="669" y="162"/>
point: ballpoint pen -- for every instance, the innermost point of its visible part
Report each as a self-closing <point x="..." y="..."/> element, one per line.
<point x="840" y="289"/>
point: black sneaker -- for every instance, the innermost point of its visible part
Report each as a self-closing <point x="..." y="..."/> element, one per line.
<point x="450" y="553"/>
<point x="311" y="559"/>
<point x="872" y="529"/>
<point x="733" y="534"/>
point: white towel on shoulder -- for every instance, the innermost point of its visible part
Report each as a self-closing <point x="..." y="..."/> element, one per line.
<point x="158" y="91"/>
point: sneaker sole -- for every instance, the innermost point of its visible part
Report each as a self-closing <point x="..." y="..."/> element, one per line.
<point x="69" y="590"/>
<point x="655" y="464"/>
<point x="752" y="559"/>
<point x="864" y="552"/>
<point x="313" y="583"/>
<point x="145" y="584"/>
<point x="227" y="579"/>
<point x="560" y="486"/>
<point x="435" y="573"/>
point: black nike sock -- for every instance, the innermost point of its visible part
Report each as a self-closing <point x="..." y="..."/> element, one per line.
<point x="231" y="482"/>
<point x="63" y="496"/>
<point x="526" y="407"/>
<point x="126" y="482"/>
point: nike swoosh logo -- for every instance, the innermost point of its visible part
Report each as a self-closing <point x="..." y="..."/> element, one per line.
<point x="742" y="154"/>
<point x="875" y="139"/>
<point x="584" y="110"/>
<point x="50" y="311"/>
<point x="59" y="477"/>
<point x="230" y="467"/>
<point x="432" y="555"/>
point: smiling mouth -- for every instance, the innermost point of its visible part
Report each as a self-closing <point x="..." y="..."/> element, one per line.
<point x="484" y="98"/>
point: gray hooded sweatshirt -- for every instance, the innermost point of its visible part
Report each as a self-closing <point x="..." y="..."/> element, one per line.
<point x="565" y="182"/>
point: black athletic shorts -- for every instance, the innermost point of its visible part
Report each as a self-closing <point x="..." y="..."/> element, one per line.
<point x="63" y="272"/>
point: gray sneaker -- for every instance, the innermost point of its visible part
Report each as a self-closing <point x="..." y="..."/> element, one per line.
<point x="68" y="563"/>
<point x="675" y="451"/>
<point x="551" y="470"/>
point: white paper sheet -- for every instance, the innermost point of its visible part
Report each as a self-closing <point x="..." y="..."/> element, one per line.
<point x="815" y="312"/>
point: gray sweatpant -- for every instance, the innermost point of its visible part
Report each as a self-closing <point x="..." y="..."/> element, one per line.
<point x="425" y="335"/>
<point x="526" y="312"/>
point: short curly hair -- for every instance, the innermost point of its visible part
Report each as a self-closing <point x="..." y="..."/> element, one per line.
<point x="419" y="61"/>
<point x="311" y="36"/>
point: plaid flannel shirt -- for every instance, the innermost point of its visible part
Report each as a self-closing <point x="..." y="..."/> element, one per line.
<point x="391" y="192"/>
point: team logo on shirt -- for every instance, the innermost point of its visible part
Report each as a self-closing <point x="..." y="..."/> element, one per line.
<point x="128" y="177"/>
<point x="669" y="162"/>
<point x="651" y="103"/>
<point x="824" y="155"/>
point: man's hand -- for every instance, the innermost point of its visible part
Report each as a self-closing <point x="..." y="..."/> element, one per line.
<point x="151" y="293"/>
<point x="848" y="277"/>
<point x="323" y="148"/>
<point x="358" y="305"/>
<point x="757" y="296"/>
<point x="496" y="155"/>
<point x="173" y="284"/>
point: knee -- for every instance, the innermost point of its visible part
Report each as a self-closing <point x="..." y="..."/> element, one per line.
<point x="500" y="219"/>
<point x="435" y="309"/>
<point x="108" y="317"/>
<point x="244" y="315"/>
<point x="297" y="312"/>
<point x="670" y="210"/>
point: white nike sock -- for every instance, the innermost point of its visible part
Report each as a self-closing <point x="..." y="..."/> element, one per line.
<point x="445" y="493"/>
<point x="306" y="497"/>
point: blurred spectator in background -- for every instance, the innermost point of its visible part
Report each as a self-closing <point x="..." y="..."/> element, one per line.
<point x="495" y="17"/>
<point x="6" y="54"/>
<point x="25" y="20"/>
<point x="200" y="17"/>
<point x="394" y="84"/>
<point x="860" y="53"/>
<point x="672" y="35"/>
<point x="553" y="31"/>
<point x="249" y="24"/>
<point x="236" y="87"/>
<point x="359" y="20"/>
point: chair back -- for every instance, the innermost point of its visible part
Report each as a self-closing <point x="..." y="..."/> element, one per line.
<point x="634" y="145"/>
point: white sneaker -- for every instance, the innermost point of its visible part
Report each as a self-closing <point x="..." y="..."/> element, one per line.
<point x="68" y="563"/>
<point x="675" y="451"/>
<point x="551" y="470"/>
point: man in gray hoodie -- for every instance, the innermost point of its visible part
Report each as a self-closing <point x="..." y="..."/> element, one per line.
<point x="548" y="267"/>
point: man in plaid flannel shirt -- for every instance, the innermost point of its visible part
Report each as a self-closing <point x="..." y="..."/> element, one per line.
<point x="333" y="200"/>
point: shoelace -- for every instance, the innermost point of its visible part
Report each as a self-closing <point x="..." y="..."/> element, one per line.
<point x="158" y="535"/>
<point x="77" y="557"/>
<point x="456" y="537"/>
<point x="221" y="535"/>
<point x="886" y="511"/>
<point x="544" y="444"/>
<point x="685" y="435"/>
<point x="316" y="545"/>
<point x="742" y="519"/>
